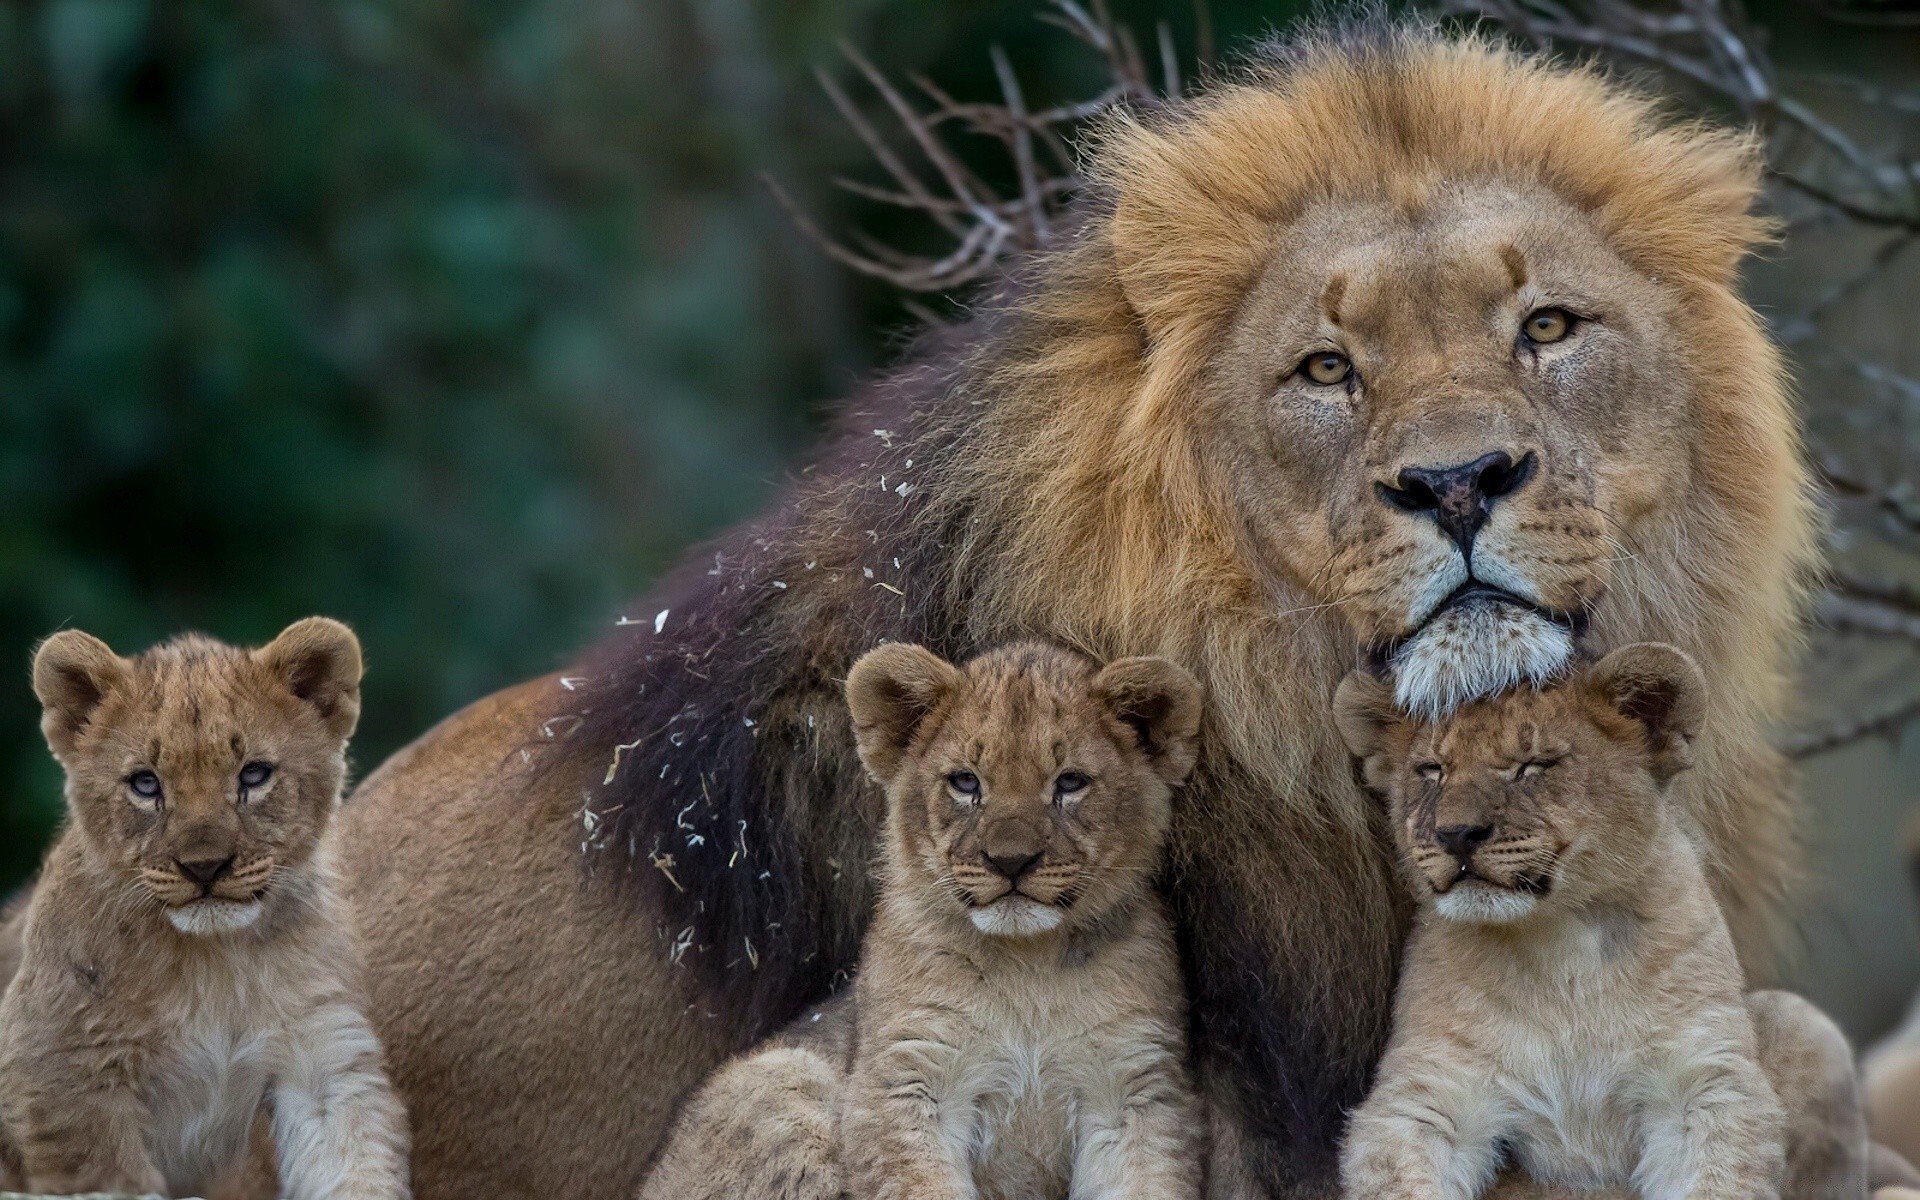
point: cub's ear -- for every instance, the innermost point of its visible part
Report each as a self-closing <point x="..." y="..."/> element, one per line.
<point x="1159" y="701"/>
<point x="890" y="691"/>
<point x="1662" y="689"/>
<point x="72" y="674"/>
<point x="319" y="661"/>
<point x="1363" y="711"/>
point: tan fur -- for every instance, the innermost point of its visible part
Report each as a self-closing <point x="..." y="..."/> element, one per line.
<point x="1122" y="454"/>
<point x="987" y="1054"/>
<point x="1570" y="995"/>
<point x="157" y="1012"/>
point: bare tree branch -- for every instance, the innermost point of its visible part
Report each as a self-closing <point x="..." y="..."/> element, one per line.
<point x="1850" y="729"/>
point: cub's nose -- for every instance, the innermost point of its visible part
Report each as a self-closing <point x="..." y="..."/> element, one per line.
<point x="1013" y="865"/>
<point x="1462" y="840"/>
<point x="204" y="871"/>
<point x="1460" y="498"/>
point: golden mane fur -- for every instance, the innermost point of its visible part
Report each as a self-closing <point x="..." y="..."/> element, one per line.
<point x="1122" y="530"/>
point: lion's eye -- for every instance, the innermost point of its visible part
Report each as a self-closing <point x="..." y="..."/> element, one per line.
<point x="1326" y="368"/>
<point x="1430" y="770"/>
<point x="1546" y="325"/>
<point x="1069" y="783"/>
<point x="145" y="785"/>
<point x="965" y="784"/>
<point x="255" y="774"/>
<point x="1533" y="767"/>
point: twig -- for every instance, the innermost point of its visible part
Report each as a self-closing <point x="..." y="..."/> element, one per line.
<point x="1868" y="616"/>
<point x="1850" y="729"/>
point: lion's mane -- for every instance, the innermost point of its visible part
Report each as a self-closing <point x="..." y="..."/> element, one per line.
<point x="1037" y="471"/>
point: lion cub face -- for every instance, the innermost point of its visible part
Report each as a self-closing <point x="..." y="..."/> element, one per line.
<point x="1030" y="789"/>
<point x="1536" y="798"/>
<point x="200" y="771"/>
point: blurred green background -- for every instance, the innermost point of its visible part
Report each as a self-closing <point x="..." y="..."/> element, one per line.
<point x="458" y="319"/>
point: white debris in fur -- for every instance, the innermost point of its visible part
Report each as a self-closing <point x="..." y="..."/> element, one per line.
<point x="1476" y="649"/>
<point x="660" y="620"/>
<point x="681" y="945"/>
<point x="903" y="490"/>
<point x="572" y="682"/>
<point x="546" y="726"/>
<point x="613" y="768"/>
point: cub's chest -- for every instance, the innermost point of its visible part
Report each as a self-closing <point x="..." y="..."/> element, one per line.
<point x="1578" y="1106"/>
<point x="1011" y="1100"/>
<point x="209" y="1079"/>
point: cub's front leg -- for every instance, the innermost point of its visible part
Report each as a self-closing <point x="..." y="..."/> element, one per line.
<point x="339" y="1127"/>
<point x="897" y="1142"/>
<point x="1143" y="1141"/>
<point x="1418" y="1138"/>
<point x="1713" y="1134"/>
<point x="80" y="1134"/>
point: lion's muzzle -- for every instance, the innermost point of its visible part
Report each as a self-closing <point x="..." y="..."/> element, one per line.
<point x="1460" y="498"/>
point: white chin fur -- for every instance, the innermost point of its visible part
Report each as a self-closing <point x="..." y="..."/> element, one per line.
<point x="1474" y="650"/>
<point x="1015" y="918"/>
<point x="1479" y="904"/>
<point x="204" y="917"/>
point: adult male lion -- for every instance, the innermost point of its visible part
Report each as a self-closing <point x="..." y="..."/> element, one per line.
<point x="1400" y="345"/>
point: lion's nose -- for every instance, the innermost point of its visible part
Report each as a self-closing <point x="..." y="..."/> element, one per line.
<point x="1462" y="840"/>
<point x="1460" y="498"/>
<point x="1013" y="865"/>
<point x="204" y="871"/>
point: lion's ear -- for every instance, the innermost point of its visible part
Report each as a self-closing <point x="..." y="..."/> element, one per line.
<point x="1158" y="703"/>
<point x="1661" y="689"/>
<point x="319" y="661"/>
<point x="890" y="692"/>
<point x="1364" y="712"/>
<point x="72" y="674"/>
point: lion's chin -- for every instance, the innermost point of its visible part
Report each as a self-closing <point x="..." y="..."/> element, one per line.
<point x="1477" y="648"/>
<point x="213" y="915"/>
<point x="1014" y="916"/>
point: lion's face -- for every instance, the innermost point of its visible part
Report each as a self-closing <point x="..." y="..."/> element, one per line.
<point x="1029" y="790"/>
<point x="200" y="772"/>
<point x="1448" y="416"/>
<point x="1535" y="798"/>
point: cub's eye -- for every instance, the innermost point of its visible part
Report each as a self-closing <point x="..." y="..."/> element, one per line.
<point x="1533" y="767"/>
<point x="965" y="783"/>
<point x="1069" y="783"/>
<point x="255" y="774"/>
<point x="1430" y="770"/>
<point x="1325" y="368"/>
<point x="145" y="784"/>
<point x="1547" y="325"/>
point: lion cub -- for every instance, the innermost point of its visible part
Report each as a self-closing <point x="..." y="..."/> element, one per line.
<point x="1016" y="1029"/>
<point x="1570" y="997"/>
<point x="187" y="958"/>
